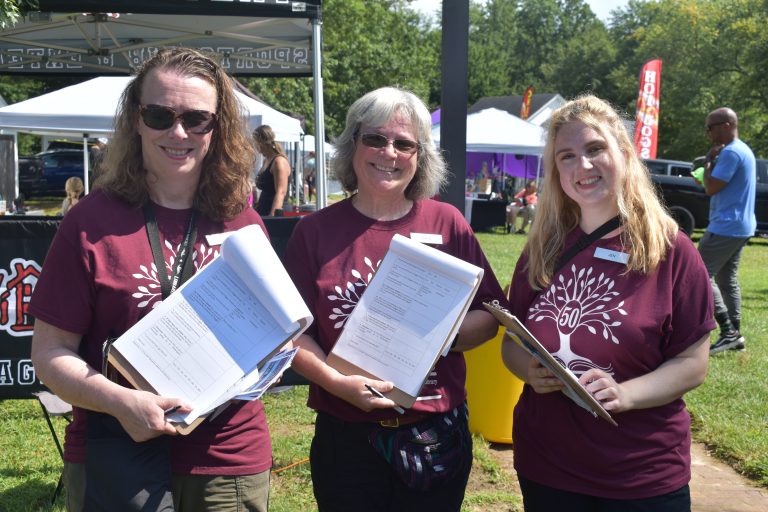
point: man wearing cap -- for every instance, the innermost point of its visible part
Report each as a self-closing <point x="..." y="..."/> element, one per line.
<point x="730" y="181"/>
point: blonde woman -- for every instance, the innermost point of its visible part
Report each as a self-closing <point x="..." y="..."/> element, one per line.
<point x="273" y="176"/>
<point x="74" y="189"/>
<point x="629" y="314"/>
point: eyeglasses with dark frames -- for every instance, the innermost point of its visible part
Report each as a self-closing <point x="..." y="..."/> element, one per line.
<point x="160" y="117"/>
<point x="712" y="125"/>
<point x="378" y="141"/>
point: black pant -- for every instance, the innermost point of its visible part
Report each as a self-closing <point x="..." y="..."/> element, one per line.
<point x="542" y="498"/>
<point x="348" y="475"/>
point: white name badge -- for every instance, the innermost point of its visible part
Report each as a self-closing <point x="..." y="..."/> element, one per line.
<point x="217" y="238"/>
<point x="428" y="238"/>
<point x="615" y="256"/>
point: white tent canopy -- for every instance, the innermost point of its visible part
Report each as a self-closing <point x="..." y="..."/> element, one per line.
<point x="497" y="131"/>
<point x="89" y="107"/>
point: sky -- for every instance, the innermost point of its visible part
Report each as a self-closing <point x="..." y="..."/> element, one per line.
<point x="601" y="8"/>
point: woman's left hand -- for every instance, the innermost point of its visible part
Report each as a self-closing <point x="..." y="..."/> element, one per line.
<point x="605" y="390"/>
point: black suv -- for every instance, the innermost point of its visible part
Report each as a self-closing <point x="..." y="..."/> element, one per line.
<point x="30" y="175"/>
<point x="689" y="204"/>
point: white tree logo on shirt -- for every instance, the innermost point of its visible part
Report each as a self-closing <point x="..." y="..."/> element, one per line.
<point x="149" y="286"/>
<point x="350" y="294"/>
<point x="582" y="301"/>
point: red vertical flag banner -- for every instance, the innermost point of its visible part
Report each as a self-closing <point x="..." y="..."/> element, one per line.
<point x="525" y="108"/>
<point x="647" y="117"/>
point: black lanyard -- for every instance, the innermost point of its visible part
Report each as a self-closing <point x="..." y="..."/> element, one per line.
<point x="587" y="240"/>
<point x="182" y="268"/>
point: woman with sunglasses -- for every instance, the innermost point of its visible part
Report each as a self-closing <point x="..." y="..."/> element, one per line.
<point x="386" y="158"/>
<point x="272" y="179"/>
<point x="176" y="173"/>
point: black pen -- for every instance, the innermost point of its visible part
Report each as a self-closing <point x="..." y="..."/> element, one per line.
<point x="171" y="410"/>
<point x="378" y="394"/>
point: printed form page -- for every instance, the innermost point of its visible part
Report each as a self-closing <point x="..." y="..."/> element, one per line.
<point x="205" y="337"/>
<point x="406" y="314"/>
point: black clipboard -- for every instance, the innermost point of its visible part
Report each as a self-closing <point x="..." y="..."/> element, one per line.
<point x="573" y="388"/>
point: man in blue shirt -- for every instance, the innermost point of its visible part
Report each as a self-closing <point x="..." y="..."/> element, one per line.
<point x="729" y="178"/>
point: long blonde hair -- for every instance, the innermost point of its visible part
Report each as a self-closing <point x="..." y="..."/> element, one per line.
<point x="648" y="230"/>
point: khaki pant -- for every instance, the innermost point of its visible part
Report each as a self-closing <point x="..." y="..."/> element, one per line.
<point x="191" y="493"/>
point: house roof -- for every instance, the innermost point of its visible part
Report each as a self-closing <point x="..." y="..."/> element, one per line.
<point x="512" y="104"/>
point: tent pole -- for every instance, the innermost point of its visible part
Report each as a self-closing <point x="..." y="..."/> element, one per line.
<point x="86" y="181"/>
<point x="16" y="167"/>
<point x="320" y="183"/>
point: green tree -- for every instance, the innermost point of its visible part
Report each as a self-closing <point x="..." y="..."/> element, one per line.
<point x="366" y="44"/>
<point x="714" y="54"/>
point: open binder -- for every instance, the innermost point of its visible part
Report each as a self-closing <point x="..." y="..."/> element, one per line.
<point x="205" y="342"/>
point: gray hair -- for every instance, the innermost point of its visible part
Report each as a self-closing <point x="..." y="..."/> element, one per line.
<point x="375" y="109"/>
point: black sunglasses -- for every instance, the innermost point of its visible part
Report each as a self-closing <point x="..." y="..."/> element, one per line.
<point x="710" y="126"/>
<point x="159" y="117"/>
<point x="378" y="141"/>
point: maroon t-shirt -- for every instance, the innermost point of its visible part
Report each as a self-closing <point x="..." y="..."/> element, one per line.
<point x="332" y="257"/>
<point x="595" y="315"/>
<point x="99" y="279"/>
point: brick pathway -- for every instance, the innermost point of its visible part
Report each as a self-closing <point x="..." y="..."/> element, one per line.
<point x="715" y="486"/>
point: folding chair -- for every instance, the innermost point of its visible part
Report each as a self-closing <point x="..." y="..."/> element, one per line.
<point x="52" y="405"/>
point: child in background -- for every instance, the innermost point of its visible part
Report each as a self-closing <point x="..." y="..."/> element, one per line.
<point x="74" y="188"/>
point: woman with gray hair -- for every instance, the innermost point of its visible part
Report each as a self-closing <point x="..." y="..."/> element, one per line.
<point x="387" y="160"/>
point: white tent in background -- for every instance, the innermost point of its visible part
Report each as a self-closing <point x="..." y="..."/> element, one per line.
<point x="89" y="107"/>
<point x="88" y="110"/>
<point x="497" y="131"/>
<point x="309" y="145"/>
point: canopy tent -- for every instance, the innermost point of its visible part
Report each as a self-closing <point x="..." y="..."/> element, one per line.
<point x="268" y="37"/>
<point x="493" y="134"/>
<point x="89" y="108"/>
<point x="496" y="131"/>
<point x="264" y="38"/>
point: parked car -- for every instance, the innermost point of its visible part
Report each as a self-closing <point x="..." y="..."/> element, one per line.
<point x="58" y="166"/>
<point x="30" y="175"/>
<point x="689" y="204"/>
<point x="669" y="167"/>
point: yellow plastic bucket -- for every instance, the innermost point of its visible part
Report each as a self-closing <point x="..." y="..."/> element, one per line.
<point x="492" y="392"/>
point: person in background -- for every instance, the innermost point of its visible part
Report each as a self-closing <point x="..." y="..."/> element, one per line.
<point x="97" y="156"/>
<point x="524" y="202"/>
<point x="730" y="179"/>
<point x="176" y="171"/>
<point x="309" y="175"/>
<point x="272" y="179"/>
<point x="73" y="187"/>
<point x="629" y="314"/>
<point x="386" y="159"/>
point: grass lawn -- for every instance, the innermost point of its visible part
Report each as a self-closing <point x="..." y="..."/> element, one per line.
<point x="729" y="414"/>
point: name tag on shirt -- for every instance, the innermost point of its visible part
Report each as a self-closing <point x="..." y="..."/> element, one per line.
<point x="615" y="256"/>
<point x="217" y="238"/>
<point x="428" y="238"/>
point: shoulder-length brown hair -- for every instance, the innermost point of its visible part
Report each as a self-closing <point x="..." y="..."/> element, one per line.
<point x="648" y="230"/>
<point x="223" y="188"/>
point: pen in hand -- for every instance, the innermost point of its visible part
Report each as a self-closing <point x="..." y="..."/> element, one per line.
<point x="171" y="410"/>
<point x="377" y="393"/>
